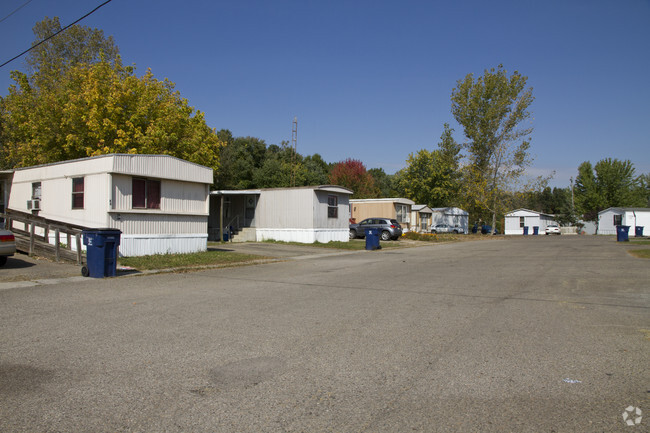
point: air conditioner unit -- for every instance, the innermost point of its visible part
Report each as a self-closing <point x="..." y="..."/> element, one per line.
<point x="34" y="204"/>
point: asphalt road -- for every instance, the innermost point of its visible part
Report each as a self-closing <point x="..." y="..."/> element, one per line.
<point x="535" y="334"/>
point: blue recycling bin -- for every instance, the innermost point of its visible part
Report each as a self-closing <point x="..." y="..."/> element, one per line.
<point x="535" y="230"/>
<point x="638" y="231"/>
<point x="622" y="233"/>
<point x="372" y="239"/>
<point x="525" y="230"/>
<point x="101" y="252"/>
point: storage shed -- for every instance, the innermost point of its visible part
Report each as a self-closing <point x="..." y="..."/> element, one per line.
<point x="609" y="218"/>
<point x="396" y="208"/>
<point x="302" y="214"/>
<point x="516" y="220"/>
<point x="159" y="202"/>
<point x="453" y="216"/>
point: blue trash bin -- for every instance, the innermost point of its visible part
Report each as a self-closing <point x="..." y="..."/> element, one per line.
<point x="535" y="230"/>
<point x="525" y="230"/>
<point x="101" y="252"/>
<point x="372" y="239"/>
<point x="622" y="233"/>
<point x="638" y="231"/>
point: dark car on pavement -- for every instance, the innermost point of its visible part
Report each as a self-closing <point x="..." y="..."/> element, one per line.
<point x="388" y="228"/>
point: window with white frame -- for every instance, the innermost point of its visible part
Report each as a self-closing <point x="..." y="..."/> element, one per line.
<point x="522" y="222"/>
<point x="618" y="220"/>
<point x="424" y="221"/>
<point x="403" y="214"/>
<point x="332" y="206"/>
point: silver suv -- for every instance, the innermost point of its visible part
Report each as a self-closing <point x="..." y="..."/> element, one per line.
<point x="388" y="228"/>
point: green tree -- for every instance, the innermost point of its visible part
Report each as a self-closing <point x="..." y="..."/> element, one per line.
<point x="78" y="44"/>
<point x="79" y="101"/>
<point x="433" y="177"/>
<point x="610" y="183"/>
<point x="491" y="110"/>
<point x="384" y="182"/>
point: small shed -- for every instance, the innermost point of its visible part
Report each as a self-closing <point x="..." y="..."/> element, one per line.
<point x="609" y="218"/>
<point x="455" y="217"/>
<point x="303" y="214"/>
<point x="396" y="208"/>
<point x="421" y="218"/>
<point x="516" y="220"/>
<point x="159" y="202"/>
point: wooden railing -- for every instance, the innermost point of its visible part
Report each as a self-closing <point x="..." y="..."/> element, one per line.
<point x="33" y="241"/>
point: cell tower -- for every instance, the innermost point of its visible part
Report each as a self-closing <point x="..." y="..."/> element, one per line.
<point x="294" y="150"/>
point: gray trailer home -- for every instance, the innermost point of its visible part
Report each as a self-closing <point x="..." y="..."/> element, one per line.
<point x="302" y="214"/>
<point x="159" y="202"/>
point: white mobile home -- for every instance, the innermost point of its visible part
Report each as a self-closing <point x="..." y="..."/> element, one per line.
<point x="159" y="202"/>
<point x="302" y="214"/>
<point x="633" y="217"/>
<point x="516" y="220"/>
<point x="452" y="216"/>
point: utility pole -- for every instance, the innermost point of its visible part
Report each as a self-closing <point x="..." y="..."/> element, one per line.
<point x="294" y="150"/>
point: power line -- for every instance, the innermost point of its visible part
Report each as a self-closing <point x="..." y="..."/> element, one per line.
<point x="51" y="36"/>
<point x="16" y="10"/>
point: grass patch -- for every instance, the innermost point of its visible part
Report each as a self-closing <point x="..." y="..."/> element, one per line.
<point x="167" y="261"/>
<point x="434" y="237"/>
<point x="640" y="242"/>
<point x="642" y="254"/>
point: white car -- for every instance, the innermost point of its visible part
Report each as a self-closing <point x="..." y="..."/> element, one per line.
<point x="7" y="246"/>
<point x="553" y="229"/>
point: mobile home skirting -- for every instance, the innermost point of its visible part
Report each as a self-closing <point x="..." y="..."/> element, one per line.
<point x="308" y="236"/>
<point x="148" y="244"/>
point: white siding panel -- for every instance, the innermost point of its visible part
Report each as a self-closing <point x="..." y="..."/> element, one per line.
<point x="163" y="167"/>
<point x="143" y="245"/>
<point x="284" y="208"/>
<point x="147" y="223"/>
<point x="176" y="197"/>
<point x="307" y="236"/>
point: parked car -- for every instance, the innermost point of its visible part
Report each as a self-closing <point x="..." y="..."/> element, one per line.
<point x="388" y="228"/>
<point x="7" y="246"/>
<point x="446" y="228"/>
<point x="553" y="229"/>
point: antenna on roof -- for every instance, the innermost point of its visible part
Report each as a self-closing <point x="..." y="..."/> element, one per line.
<point x="294" y="150"/>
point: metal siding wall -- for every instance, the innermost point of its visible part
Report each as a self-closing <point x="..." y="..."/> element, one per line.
<point x="176" y="196"/>
<point x="281" y="209"/>
<point x="321" y="220"/>
<point x="131" y="246"/>
<point x="146" y="223"/>
<point x="56" y="194"/>
<point x="361" y="211"/>
<point x="163" y="167"/>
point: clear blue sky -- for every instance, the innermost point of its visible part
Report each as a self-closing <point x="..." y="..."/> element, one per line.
<point x="371" y="80"/>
